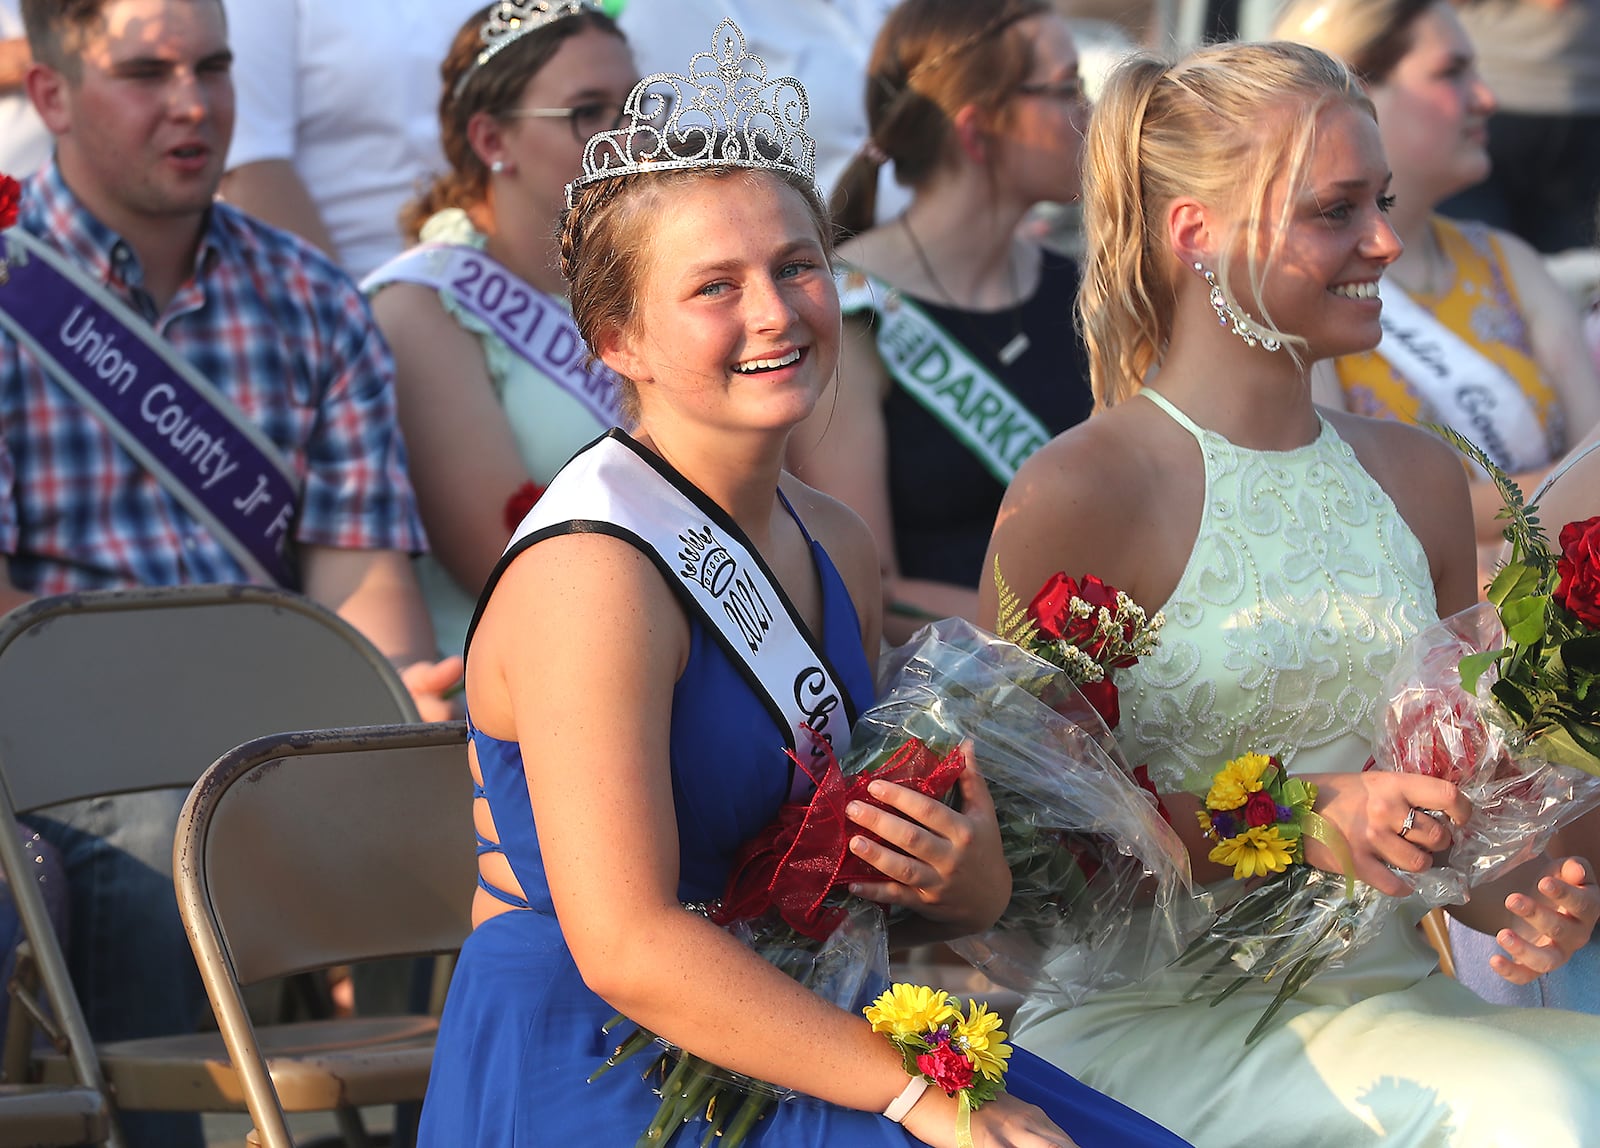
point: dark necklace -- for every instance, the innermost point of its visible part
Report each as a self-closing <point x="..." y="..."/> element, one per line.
<point x="1018" y="344"/>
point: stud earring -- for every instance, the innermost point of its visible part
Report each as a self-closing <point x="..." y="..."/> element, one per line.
<point x="1227" y="313"/>
<point x="499" y="166"/>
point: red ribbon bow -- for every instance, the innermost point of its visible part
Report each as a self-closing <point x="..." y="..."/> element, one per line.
<point x="804" y="854"/>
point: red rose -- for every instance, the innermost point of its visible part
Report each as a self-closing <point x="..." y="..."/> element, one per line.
<point x="1578" y="591"/>
<point x="1260" y="809"/>
<point x="1102" y="695"/>
<point x="1051" y="609"/>
<point x="521" y="501"/>
<point x="1142" y="775"/>
<point x="1051" y="606"/>
<point x="10" y="199"/>
<point x="949" y="1069"/>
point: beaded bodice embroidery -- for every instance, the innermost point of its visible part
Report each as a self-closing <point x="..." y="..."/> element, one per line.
<point x="1303" y="583"/>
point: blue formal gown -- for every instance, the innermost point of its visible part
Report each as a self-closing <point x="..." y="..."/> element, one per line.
<point x="521" y="1031"/>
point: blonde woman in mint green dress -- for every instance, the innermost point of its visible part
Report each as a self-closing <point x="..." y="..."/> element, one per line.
<point x="482" y="422"/>
<point x="1235" y="211"/>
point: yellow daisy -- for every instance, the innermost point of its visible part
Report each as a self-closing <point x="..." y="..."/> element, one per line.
<point x="1206" y="828"/>
<point x="984" y="1040"/>
<point x="1255" y="852"/>
<point x="1237" y="780"/>
<point x="907" y="1010"/>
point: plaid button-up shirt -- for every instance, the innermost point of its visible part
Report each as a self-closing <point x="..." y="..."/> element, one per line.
<point x="275" y="327"/>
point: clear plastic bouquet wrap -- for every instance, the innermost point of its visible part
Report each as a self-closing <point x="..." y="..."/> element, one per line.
<point x="1085" y="843"/>
<point x="1432" y="725"/>
<point x="1502" y="700"/>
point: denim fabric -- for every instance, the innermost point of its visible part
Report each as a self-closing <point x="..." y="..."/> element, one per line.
<point x="1575" y="986"/>
<point x="129" y="957"/>
<point x="44" y="867"/>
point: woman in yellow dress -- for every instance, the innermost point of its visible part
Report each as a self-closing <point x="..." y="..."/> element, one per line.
<point x="1477" y="334"/>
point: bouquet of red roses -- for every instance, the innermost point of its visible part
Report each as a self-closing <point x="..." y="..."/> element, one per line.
<point x="1058" y="790"/>
<point x="10" y="205"/>
<point x="1503" y="700"/>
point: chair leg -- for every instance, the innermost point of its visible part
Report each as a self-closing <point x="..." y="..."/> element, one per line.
<point x="1436" y="927"/>
<point x="351" y="1127"/>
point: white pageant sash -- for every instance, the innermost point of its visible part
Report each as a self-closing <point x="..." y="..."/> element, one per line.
<point x="614" y="486"/>
<point x="1467" y="391"/>
<point x="937" y="371"/>
<point x="531" y="323"/>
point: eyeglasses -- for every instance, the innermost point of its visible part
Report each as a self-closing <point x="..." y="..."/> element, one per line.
<point x="586" y="120"/>
<point x="1067" y="91"/>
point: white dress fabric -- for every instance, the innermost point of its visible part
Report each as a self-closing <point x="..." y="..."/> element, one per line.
<point x="1303" y="583"/>
<point x="349" y="93"/>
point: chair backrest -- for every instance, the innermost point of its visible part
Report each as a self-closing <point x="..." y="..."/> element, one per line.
<point x="301" y="851"/>
<point x="123" y="690"/>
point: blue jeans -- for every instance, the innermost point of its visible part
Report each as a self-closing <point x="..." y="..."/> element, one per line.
<point x="130" y="960"/>
<point x="44" y="867"/>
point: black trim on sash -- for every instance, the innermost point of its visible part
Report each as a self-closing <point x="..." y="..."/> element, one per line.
<point x="691" y="608"/>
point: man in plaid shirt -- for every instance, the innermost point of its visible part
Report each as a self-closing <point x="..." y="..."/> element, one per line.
<point x="138" y="96"/>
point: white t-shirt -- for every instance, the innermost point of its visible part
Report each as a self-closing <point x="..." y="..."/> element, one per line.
<point x="825" y="44"/>
<point x="349" y="93"/>
<point x="24" y="142"/>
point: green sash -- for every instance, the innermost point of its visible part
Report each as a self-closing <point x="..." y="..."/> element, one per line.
<point x="938" y="372"/>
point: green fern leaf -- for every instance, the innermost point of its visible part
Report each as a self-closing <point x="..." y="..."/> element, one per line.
<point x="1528" y="542"/>
<point x="1013" y="623"/>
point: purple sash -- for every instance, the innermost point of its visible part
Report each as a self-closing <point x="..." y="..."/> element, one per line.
<point x="174" y="423"/>
<point x="531" y="323"/>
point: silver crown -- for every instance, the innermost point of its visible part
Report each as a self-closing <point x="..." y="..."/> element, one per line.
<point x="724" y="113"/>
<point x="510" y="20"/>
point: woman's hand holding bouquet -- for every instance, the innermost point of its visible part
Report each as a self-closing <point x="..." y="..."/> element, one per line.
<point x="1489" y="743"/>
<point x="943" y="863"/>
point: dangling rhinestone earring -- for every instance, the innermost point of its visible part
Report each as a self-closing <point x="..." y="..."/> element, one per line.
<point x="1227" y="313"/>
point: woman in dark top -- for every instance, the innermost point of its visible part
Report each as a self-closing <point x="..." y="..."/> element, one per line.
<point x="960" y="356"/>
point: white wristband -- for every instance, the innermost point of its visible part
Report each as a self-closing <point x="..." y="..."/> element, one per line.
<point x="900" y="1107"/>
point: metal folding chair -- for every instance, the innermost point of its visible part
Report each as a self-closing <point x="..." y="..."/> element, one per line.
<point x="305" y="851"/>
<point x="122" y="691"/>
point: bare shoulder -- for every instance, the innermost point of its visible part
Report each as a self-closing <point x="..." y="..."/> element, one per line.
<point x="1093" y="475"/>
<point x="576" y="600"/>
<point x="1088" y="501"/>
<point x="873" y="252"/>
<point x="406" y="302"/>
<point x="1402" y="458"/>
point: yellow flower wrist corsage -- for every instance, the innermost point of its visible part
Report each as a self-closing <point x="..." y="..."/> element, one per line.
<point x="965" y="1055"/>
<point x="1259" y="817"/>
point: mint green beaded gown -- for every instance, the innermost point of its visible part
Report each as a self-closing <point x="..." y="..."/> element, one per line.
<point x="1303" y="583"/>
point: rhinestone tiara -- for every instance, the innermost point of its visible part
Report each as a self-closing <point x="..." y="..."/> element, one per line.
<point x="510" y="20"/>
<point x="724" y="113"/>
